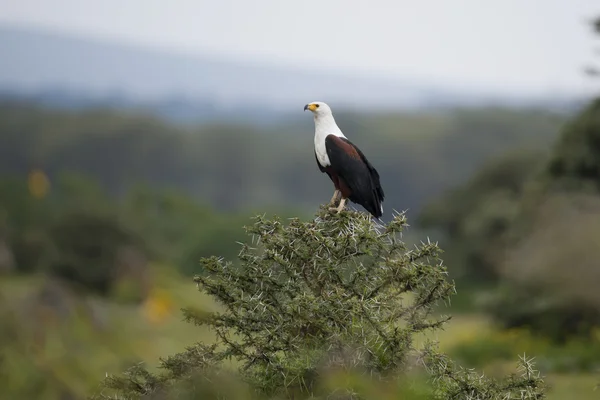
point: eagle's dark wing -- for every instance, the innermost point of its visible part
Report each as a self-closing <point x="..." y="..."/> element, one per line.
<point x="359" y="176"/>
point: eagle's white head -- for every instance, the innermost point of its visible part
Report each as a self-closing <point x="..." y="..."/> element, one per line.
<point x="319" y="109"/>
<point x="324" y="122"/>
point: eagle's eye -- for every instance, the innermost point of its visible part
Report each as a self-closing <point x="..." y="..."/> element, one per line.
<point x="316" y="105"/>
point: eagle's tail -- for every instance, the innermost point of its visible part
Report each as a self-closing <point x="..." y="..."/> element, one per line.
<point x="374" y="203"/>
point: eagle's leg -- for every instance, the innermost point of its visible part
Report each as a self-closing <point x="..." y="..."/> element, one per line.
<point x="340" y="207"/>
<point x="336" y="197"/>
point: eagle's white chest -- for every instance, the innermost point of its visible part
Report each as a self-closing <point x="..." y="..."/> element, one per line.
<point x="321" y="151"/>
<point x="324" y="126"/>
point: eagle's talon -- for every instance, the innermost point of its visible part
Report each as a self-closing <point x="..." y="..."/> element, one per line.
<point x="336" y="196"/>
<point x="340" y="207"/>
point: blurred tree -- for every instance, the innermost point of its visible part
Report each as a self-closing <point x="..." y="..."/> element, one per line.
<point x="592" y="70"/>
<point x="535" y="233"/>
<point x="179" y="229"/>
<point x="334" y="294"/>
<point x="166" y="226"/>
<point x="552" y="243"/>
<point x="474" y="218"/>
<point x="76" y="191"/>
<point x="87" y="247"/>
<point x="239" y="166"/>
<point x="24" y="217"/>
<point x="7" y="258"/>
<point x="575" y="161"/>
<point x="551" y="272"/>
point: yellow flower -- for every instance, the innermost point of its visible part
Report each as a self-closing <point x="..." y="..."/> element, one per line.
<point x="38" y="183"/>
<point x="157" y="307"/>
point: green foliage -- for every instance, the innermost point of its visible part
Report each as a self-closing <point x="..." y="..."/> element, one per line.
<point x="30" y="365"/>
<point x="475" y="218"/>
<point x="231" y="167"/>
<point x="484" y="348"/>
<point x="455" y="382"/>
<point x="228" y="167"/>
<point x="575" y="164"/>
<point x="87" y="248"/>
<point x="528" y="223"/>
<point x="18" y="208"/>
<point x="552" y="288"/>
<point x="338" y="293"/>
<point x="554" y="240"/>
<point x="179" y="229"/>
<point x="73" y="232"/>
<point x="56" y="343"/>
<point x="82" y="234"/>
<point x="321" y="292"/>
<point x="543" y="312"/>
<point x="32" y="249"/>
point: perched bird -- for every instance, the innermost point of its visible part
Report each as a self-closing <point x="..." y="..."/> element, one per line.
<point x="352" y="174"/>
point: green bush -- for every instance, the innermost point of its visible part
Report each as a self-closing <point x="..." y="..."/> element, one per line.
<point x="551" y="273"/>
<point x="575" y="355"/>
<point x="87" y="247"/>
<point x="544" y="315"/>
<point x="33" y="249"/>
<point x="574" y="164"/>
<point x="337" y="294"/>
<point x="527" y="225"/>
<point x="475" y="218"/>
<point x="553" y="242"/>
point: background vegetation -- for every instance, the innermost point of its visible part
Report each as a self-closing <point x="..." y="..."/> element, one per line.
<point x="105" y="215"/>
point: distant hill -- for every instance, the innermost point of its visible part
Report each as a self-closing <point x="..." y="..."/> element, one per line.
<point x="68" y="71"/>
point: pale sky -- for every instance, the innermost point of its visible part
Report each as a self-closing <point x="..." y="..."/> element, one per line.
<point x="502" y="45"/>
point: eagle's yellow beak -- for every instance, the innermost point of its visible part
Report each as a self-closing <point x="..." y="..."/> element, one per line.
<point x="311" y="107"/>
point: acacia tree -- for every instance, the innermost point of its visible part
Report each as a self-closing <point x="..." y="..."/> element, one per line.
<point x="335" y="293"/>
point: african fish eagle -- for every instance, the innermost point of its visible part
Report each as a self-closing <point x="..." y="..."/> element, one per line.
<point x="352" y="174"/>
